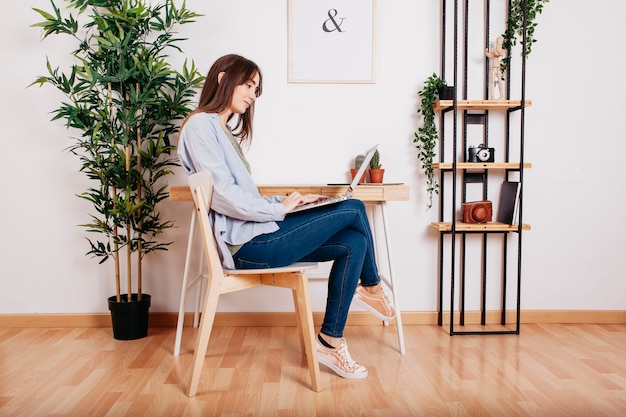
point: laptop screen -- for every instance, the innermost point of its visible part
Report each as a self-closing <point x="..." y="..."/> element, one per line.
<point x="362" y="169"/>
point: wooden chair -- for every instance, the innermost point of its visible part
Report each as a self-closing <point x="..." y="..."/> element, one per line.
<point x="221" y="281"/>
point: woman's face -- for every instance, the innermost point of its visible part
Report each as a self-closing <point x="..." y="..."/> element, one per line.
<point x="244" y="95"/>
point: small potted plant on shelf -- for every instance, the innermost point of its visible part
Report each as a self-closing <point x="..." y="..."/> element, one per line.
<point x="123" y="101"/>
<point x="358" y="161"/>
<point x="446" y="92"/>
<point x="427" y="136"/>
<point x="376" y="170"/>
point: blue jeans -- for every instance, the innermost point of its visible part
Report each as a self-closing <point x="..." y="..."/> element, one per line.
<point x="339" y="233"/>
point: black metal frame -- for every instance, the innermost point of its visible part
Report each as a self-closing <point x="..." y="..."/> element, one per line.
<point x="480" y="177"/>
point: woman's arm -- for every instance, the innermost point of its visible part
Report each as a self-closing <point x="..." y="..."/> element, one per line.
<point x="204" y="146"/>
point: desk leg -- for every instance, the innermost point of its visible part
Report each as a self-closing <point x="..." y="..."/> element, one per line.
<point x="392" y="283"/>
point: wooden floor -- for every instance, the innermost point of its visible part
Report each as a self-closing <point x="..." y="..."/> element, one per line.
<point x="548" y="370"/>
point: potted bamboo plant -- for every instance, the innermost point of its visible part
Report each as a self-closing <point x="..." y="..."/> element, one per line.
<point x="123" y="102"/>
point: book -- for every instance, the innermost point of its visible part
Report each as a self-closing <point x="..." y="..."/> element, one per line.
<point x="509" y="202"/>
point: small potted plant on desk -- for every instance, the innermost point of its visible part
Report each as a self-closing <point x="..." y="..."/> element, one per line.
<point x="358" y="161"/>
<point x="123" y="101"/>
<point x="376" y="171"/>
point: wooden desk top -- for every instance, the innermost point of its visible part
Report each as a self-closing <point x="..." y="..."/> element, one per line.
<point x="364" y="192"/>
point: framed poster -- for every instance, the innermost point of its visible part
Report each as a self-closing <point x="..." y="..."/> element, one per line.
<point x="331" y="41"/>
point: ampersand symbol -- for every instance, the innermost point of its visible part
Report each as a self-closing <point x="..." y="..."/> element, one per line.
<point x="332" y="13"/>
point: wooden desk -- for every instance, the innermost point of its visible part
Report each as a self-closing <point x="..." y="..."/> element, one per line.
<point x="366" y="192"/>
<point x="374" y="195"/>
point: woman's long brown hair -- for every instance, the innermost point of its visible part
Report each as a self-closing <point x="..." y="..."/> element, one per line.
<point x="217" y="96"/>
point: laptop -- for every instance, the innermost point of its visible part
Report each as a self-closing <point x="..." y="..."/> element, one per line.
<point x="349" y="191"/>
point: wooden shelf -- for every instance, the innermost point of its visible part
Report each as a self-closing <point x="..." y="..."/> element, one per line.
<point x="478" y="227"/>
<point x="481" y="104"/>
<point x="481" y="165"/>
<point x="455" y="117"/>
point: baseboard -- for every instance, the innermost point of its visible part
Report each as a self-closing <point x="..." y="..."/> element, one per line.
<point x="287" y="319"/>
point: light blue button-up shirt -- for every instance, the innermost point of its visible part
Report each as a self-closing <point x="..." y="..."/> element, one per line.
<point x="238" y="212"/>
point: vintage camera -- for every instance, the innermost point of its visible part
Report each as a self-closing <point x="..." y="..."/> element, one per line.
<point x="482" y="153"/>
<point x="477" y="211"/>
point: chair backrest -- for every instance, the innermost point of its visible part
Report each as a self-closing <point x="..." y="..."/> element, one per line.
<point x="204" y="179"/>
<point x="201" y="185"/>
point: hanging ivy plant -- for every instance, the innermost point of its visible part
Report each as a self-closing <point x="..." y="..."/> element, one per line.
<point x="427" y="136"/>
<point x="515" y="27"/>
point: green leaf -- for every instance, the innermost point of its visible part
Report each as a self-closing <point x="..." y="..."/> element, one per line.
<point x="427" y="137"/>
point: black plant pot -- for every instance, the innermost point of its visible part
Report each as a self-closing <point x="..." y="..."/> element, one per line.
<point x="446" y="93"/>
<point x="130" y="320"/>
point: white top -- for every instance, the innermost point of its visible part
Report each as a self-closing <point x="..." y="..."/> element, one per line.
<point x="238" y="212"/>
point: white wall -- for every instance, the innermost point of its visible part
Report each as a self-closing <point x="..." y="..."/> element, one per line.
<point x="574" y="258"/>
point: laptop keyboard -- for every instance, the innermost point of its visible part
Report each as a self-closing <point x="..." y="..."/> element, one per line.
<point x="330" y="200"/>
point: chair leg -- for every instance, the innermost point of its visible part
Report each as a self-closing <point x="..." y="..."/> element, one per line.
<point x="307" y="329"/>
<point x="302" y="301"/>
<point x="201" y="283"/>
<point x="204" y="333"/>
<point x="183" y="293"/>
<point x="298" y="324"/>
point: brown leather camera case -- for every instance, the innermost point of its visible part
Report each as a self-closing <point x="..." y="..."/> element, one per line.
<point x="477" y="211"/>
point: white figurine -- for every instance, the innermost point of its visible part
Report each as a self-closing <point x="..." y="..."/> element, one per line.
<point x="496" y="73"/>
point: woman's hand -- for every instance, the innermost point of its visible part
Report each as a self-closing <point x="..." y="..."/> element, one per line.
<point x="296" y="199"/>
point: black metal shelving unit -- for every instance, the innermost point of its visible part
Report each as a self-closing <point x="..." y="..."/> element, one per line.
<point x="456" y="175"/>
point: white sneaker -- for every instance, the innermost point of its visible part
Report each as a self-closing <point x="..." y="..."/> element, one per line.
<point x="339" y="361"/>
<point x="378" y="304"/>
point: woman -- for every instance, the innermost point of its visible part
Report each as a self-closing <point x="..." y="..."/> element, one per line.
<point x="254" y="232"/>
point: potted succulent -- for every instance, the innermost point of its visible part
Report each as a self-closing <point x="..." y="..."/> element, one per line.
<point x="123" y="101"/>
<point x="377" y="172"/>
<point x="358" y="162"/>
<point x="427" y="136"/>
